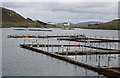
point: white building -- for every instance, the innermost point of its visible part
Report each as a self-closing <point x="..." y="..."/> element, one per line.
<point x="66" y="23"/>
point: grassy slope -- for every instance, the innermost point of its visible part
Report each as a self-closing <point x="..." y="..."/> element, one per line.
<point x="112" y="25"/>
<point x="12" y="19"/>
<point x="16" y="20"/>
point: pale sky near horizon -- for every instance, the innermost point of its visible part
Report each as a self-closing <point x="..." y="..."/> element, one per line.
<point x="60" y="0"/>
<point x="65" y="10"/>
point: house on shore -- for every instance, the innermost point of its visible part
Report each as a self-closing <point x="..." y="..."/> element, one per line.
<point x="66" y="23"/>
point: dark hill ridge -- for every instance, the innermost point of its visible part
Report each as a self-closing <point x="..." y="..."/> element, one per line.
<point x="89" y="22"/>
<point x="111" y="25"/>
<point x="11" y="18"/>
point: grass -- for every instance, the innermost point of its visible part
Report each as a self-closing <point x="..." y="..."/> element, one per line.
<point x="112" y="25"/>
<point x="24" y="24"/>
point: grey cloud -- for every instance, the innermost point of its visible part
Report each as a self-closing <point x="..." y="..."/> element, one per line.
<point x="65" y="11"/>
<point x="92" y="10"/>
<point x="85" y="7"/>
<point x="94" y="4"/>
<point x="13" y="4"/>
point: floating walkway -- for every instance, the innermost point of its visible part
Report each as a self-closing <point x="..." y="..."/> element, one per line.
<point x="32" y="30"/>
<point x="115" y="69"/>
<point x="66" y="37"/>
<point x="53" y="45"/>
<point x="104" y="71"/>
<point x="32" y="36"/>
<point x="86" y="52"/>
<point x="89" y="40"/>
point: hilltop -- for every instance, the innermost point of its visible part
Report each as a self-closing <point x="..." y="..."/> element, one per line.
<point x="87" y="23"/>
<point x="11" y="18"/>
<point x="111" y="25"/>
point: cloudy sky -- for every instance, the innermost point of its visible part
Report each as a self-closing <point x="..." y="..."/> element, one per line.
<point x="73" y="12"/>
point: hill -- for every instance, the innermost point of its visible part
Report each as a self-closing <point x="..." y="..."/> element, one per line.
<point x="11" y="18"/>
<point x="111" y="25"/>
<point x="87" y="23"/>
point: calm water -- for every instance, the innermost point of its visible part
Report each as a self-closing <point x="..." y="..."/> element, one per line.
<point x="0" y="52"/>
<point x="21" y="62"/>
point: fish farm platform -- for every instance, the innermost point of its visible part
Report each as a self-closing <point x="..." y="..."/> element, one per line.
<point x="104" y="71"/>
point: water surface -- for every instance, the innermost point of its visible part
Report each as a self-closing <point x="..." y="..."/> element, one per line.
<point x="17" y="61"/>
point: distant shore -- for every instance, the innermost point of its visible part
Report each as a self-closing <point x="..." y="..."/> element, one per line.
<point x="58" y="27"/>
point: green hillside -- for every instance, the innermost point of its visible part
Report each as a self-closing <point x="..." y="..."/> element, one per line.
<point x="12" y="19"/>
<point x="112" y="25"/>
